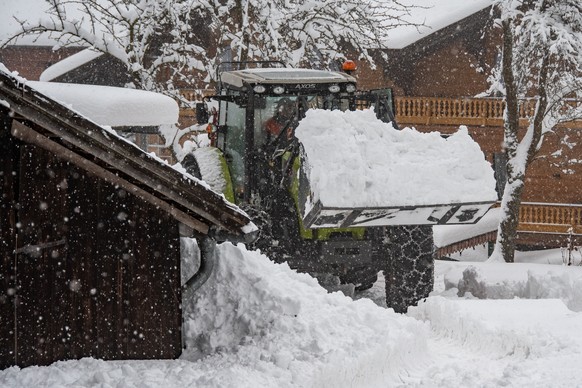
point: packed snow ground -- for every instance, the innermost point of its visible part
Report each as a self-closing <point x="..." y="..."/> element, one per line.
<point x="260" y="324"/>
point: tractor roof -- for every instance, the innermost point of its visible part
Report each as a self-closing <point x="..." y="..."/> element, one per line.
<point x="283" y="76"/>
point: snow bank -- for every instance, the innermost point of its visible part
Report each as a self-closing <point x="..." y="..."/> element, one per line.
<point x="266" y="317"/>
<point x="111" y="106"/>
<point x="355" y="160"/>
<point x="268" y="326"/>
<point x="517" y="280"/>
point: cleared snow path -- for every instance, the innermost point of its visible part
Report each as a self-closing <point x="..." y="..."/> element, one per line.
<point x="516" y="343"/>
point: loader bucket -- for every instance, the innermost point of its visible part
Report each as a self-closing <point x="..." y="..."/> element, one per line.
<point x="357" y="171"/>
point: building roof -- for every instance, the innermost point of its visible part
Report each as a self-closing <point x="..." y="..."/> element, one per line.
<point x="434" y="15"/>
<point x="69" y="63"/>
<point x="40" y="120"/>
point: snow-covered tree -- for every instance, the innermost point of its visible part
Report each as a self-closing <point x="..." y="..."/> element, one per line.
<point x="541" y="59"/>
<point x="169" y="44"/>
<point x="150" y="36"/>
<point x="298" y="32"/>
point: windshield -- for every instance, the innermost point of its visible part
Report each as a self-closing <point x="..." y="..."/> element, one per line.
<point x="275" y="113"/>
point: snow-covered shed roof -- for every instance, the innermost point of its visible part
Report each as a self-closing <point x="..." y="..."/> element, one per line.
<point x="112" y="106"/>
<point x="41" y="120"/>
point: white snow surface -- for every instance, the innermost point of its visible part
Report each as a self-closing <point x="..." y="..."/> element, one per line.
<point x="69" y="63"/>
<point x="356" y="160"/>
<point x="112" y="106"/>
<point x="260" y="324"/>
<point x="433" y="15"/>
<point x="210" y="165"/>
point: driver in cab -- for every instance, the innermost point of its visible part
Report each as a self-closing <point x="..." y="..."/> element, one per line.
<point x="284" y="113"/>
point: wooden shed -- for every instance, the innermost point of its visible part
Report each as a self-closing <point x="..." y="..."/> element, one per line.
<point x="89" y="237"/>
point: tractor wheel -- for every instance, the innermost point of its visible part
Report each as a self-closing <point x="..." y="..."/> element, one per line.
<point x="409" y="271"/>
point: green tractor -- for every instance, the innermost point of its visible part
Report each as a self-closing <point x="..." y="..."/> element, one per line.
<point x="259" y="165"/>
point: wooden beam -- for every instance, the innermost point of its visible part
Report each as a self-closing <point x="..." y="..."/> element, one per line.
<point x="28" y="135"/>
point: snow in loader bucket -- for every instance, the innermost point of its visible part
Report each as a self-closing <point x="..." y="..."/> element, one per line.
<point x="359" y="171"/>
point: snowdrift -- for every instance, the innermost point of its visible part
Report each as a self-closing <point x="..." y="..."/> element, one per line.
<point x="283" y="327"/>
<point x="354" y="161"/>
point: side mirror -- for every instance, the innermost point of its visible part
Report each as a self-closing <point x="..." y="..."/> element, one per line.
<point x="201" y="113"/>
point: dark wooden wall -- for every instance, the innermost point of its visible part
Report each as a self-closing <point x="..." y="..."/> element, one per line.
<point x="452" y="62"/>
<point x="86" y="269"/>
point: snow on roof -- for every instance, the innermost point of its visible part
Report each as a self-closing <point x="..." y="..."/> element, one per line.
<point x="435" y="15"/>
<point x="355" y="160"/>
<point x="112" y="106"/>
<point x="69" y="63"/>
<point x="284" y="75"/>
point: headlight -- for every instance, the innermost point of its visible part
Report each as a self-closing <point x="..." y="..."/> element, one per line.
<point x="259" y="89"/>
<point x="334" y="88"/>
<point x="278" y="90"/>
<point x="350" y="88"/>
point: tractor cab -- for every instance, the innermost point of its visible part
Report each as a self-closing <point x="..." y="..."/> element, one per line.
<point x="260" y="108"/>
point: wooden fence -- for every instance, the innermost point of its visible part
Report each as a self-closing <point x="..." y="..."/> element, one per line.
<point x="550" y="218"/>
<point x="461" y="111"/>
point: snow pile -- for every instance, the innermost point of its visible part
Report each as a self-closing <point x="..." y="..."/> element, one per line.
<point x="268" y="326"/>
<point x="112" y="106"/>
<point x="266" y="317"/>
<point x="508" y="281"/>
<point x="355" y="160"/>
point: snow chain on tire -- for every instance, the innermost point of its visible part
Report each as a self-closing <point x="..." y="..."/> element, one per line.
<point x="409" y="271"/>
